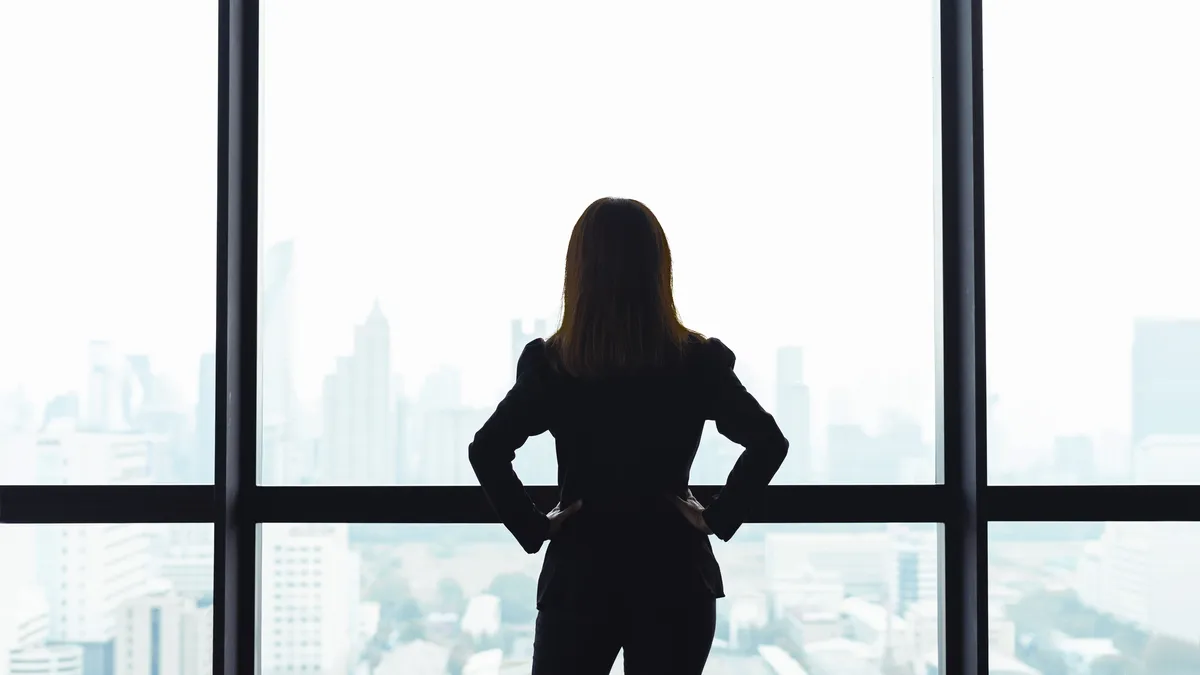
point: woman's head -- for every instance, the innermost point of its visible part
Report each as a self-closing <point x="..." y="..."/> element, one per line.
<point x="618" y="309"/>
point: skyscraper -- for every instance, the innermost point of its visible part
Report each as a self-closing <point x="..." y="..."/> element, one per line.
<point x="310" y="596"/>
<point x="356" y="441"/>
<point x="161" y="633"/>
<point x="441" y="433"/>
<point x="793" y="407"/>
<point x="1166" y="378"/>
<point x="445" y="436"/>
<point x="278" y="407"/>
<point x="108" y="380"/>
<point x="87" y="571"/>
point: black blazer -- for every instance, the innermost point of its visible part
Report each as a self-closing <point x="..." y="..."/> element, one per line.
<point x="625" y="446"/>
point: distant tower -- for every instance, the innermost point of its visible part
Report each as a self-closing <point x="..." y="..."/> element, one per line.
<point x="310" y="594"/>
<point x="108" y="376"/>
<point x="278" y="406"/>
<point x="793" y="407"/>
<point x="356" y="442"/>
<point x="278" y="395"/>
<point x="87" y="571"/>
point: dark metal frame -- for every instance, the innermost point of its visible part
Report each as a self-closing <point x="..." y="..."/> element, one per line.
<point x="962" y="503"/>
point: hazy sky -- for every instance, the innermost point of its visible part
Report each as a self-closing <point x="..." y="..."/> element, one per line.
<point x="435" y="155"/>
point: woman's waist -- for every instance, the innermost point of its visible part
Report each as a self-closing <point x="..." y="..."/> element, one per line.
<point x="619" y="496"/>
<point x="625" y="504"/>
<point x="656" y="527"/>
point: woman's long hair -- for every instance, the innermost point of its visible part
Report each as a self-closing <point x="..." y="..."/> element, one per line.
<point x="618" y="308"/>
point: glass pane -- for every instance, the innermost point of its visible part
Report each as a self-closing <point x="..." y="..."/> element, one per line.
<point x="126" y="598"/>
<point x="423" y="166"/>
<point x="108" y="148"/>
<point x="1094" y="598"/>
<point x="427" y="600"/>
<point x="1093" y="314"/>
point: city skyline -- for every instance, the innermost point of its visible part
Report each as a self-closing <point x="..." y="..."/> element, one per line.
<point x="1168" y="374"/>
<point x="419" y="167"/>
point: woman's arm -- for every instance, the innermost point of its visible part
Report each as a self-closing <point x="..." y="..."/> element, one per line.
<point x="741" y="419"/>
<point x="520" y="415"/>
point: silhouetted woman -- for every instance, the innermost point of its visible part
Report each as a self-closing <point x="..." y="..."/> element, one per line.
<point x="625" y="389"/>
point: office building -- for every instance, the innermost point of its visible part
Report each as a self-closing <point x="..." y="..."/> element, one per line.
<point x="310" y="599"/>
<point x="356" y="440"/>
<point x="162" y="633"/>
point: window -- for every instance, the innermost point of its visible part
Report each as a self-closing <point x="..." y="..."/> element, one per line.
<point x="146" y="610"/>
<point x="107" y="194"/>
<point x="836" y="154"/>
<point x="1095" y="597"/>
<point x="1093" y="320"/>
<point x="418" y="598"/>
<point x="408" y="258"/>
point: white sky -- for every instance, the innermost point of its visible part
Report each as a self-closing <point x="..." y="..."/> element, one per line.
<point x="435" y="155"/>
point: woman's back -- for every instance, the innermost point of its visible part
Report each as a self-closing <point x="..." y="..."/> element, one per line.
<point x="626" y="436"/>
<point x="625" y="389"/>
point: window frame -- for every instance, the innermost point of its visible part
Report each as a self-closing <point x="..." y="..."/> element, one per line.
<point x="961" y="502"/>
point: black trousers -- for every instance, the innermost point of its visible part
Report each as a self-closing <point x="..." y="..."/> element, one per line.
<point x="659" y="639"/>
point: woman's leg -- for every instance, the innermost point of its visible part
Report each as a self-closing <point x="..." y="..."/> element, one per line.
<point x="670" y="638"/>
<point x="567" y="642"/>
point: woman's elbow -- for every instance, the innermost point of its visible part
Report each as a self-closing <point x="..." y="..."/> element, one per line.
<point x="477" y="455"/>
<point x="779" y="449"/>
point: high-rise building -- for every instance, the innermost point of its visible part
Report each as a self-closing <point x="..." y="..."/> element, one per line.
<point x="108" y="379"/>
<point x="161" y="633"/>
<point x="446" y="435"/>
<point x="310" y="599"/>
<point x="356" y="440"/>
<point x="793" y="406"/>
<point x="87" y="571"/>
<point x="279" y="406"/>
<point x="913" y="559"/>
<point x="1139" y="571"/>
<point x="1166" y="378"/>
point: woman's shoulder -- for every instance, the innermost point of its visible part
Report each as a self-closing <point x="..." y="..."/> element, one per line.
<point x="533" y="356"/>
<point x="710" y="351"/>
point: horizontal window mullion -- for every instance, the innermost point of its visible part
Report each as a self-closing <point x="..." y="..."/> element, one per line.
<point x="1093" y="503"/>
<point x="107" y="504"/>
<point x="467" y="504"/>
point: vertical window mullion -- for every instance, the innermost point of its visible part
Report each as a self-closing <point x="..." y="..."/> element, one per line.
<point x="962" y="444"/>
<point x="235" y="611"/>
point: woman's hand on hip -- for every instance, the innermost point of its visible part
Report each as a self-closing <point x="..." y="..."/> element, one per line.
<point x="693" y="512"/>
<point x="559" y="515"/>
